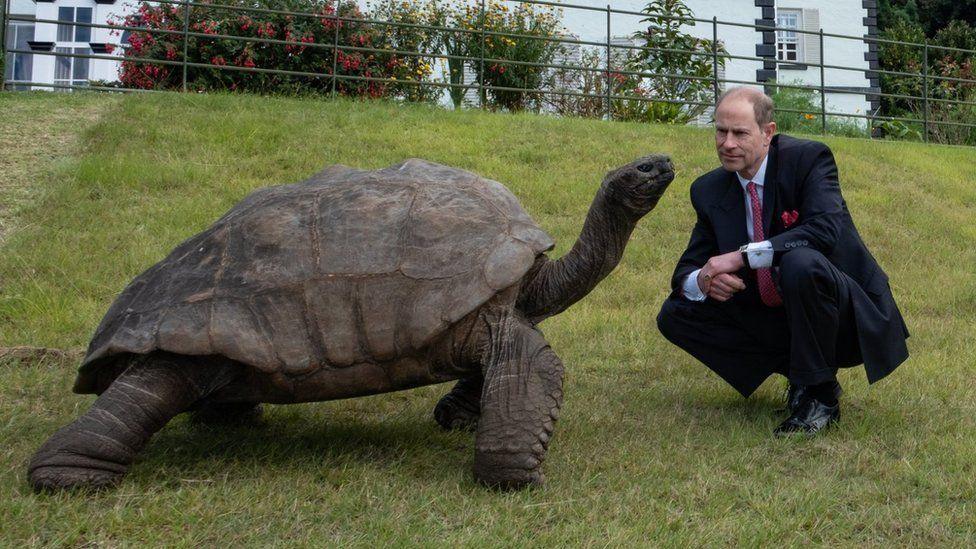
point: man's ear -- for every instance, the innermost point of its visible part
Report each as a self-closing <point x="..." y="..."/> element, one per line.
<point x="769" y="131"/>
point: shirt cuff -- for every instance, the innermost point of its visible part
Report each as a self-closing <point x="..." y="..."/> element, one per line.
<point x="690" y="288"/>
<point x="760" y="254"/>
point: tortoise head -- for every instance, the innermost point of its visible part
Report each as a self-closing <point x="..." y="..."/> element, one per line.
<point x="639" y="185"/>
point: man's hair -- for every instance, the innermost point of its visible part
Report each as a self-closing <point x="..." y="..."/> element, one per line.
<point x="762" y="104"/>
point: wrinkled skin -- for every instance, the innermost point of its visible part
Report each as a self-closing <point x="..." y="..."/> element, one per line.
<point x="510" y="387"/>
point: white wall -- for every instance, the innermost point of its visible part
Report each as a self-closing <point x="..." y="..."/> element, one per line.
<point x="836" y="17"/>
<point x="737" y="40"/>
<point x="44" y="65"/>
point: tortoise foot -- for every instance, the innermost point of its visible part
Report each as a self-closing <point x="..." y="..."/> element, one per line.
<point x="508" y="471"/>
<point x="57" y="478"/>
<point x="456" y="413"/>
<point x="227" y="414"/>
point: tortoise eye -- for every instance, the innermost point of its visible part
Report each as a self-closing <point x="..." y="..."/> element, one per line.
<point x="646" y="167"/>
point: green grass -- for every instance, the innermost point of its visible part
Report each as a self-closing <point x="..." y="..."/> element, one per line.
<point x="650" y="449"/>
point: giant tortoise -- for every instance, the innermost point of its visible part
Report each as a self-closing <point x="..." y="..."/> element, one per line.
<point x="351" y="283"/>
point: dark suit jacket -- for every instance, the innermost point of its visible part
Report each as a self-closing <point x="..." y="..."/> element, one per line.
<point x="801" y="175"/>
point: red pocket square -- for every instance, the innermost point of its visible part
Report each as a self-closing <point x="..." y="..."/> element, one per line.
<point x="789" y="218"/>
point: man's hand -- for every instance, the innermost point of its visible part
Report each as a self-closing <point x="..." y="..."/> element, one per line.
<point x="716" y="279"/>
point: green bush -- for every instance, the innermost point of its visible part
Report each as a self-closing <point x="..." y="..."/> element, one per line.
<point x="692" y="72"/>
<point x="799" y="111"/>
<point x="583" y="90"/>
<point x="944" y="91"/>
<point x="806" y="103"/>
<point x="538" y="25"/>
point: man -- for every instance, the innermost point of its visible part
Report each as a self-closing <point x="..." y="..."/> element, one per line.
<point x="775" y="277"/>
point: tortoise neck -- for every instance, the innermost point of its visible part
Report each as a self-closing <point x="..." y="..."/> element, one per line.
<point x="551" y="287"/>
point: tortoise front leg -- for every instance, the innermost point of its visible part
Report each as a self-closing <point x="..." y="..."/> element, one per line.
<point x="519" y="406"/>
<point x="96" y="449"/>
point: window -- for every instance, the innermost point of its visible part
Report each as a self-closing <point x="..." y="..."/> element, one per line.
<point x="71" y="71"/>
<point x="74" y="33"/>
<point x="19" y="66"/>
<point x="788" y="41"/>
<point x="73" y="39"/>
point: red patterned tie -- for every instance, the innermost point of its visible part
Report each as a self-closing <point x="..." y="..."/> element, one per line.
<point x="767" y="290"/>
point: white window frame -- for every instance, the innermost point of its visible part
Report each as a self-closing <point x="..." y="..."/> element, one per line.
<point x="72" y="31"/>
<point x="70" y="66"/>
<point x="14" y="59"/>
<point x="789" y="42"/>
<point x="67" y="69"/>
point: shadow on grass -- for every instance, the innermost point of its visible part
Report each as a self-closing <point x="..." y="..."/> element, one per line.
<point x="303" y="437"/>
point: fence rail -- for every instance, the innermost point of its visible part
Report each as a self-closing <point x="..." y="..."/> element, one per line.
<point x="607" y="95"/>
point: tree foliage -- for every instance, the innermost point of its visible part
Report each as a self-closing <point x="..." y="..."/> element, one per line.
<point x="676" y="68"/>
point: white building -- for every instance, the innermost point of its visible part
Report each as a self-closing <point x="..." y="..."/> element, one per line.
<point x="785" y="55"/>
<point x="34" y="26"/>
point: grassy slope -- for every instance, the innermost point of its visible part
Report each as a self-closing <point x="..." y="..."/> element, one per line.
<point x="650" y="445"/>
<point x="37" y="131"/>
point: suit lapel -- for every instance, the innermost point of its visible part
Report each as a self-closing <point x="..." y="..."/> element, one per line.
<point x="729" y="217"/>
<point x="770" y="187"/>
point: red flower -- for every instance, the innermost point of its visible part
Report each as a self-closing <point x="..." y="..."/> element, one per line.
<point x="789" y="218"/>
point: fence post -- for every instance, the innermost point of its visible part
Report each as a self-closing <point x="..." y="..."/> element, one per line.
<point x="335" y="53"/>
<point x="482" y="100"/>
<point x="714" y="63"/>
<point x="3" y="45"/>
<point x="925" y="94"/>
<point x="823" y="92"/>
<point x="186" y="37"/>
<point x="609" y="79"/>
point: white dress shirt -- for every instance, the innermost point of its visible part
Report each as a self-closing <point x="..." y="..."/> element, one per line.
<point x="760" y="254"/>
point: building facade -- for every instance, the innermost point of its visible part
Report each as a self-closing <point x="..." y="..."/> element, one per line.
<point x="47" y="27"/>
<point x="786" y="56"/>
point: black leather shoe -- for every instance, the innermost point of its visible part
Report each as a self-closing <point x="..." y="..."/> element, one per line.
<point x="795" y="394"/>
<point x="810" y="417"/>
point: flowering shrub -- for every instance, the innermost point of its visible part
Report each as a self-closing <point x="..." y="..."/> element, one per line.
<point x="232" y="49"/>
<point x="412" y="72"/>
<point x="526" y="20"/>
<point x="309" y="48"/>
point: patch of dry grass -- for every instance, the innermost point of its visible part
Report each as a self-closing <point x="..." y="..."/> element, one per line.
<point x="38" y="131"/>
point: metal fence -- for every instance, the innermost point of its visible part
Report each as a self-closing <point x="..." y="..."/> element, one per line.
<point x="923" y="120"/>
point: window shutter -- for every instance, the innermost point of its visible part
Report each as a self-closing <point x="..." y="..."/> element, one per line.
<point x="811" y="42"/>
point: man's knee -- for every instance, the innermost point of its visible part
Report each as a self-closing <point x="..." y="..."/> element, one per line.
<point x="667" y="322"/>
<point x="799" y="269"/>
<point x="672" y="321"/>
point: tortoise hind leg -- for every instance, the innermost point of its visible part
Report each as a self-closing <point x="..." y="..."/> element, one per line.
<point x="460" y="408"/>
<point x="96" y="449"/>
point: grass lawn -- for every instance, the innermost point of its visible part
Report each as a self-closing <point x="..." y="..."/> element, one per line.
<point x="651" y="448"/>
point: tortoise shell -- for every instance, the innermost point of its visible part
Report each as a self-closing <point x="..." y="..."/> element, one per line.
<point x="347" y="267"/>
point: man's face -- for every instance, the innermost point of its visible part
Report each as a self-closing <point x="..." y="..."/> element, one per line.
<point x="740" y="142"/>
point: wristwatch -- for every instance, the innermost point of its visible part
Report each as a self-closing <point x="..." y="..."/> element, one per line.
<point x="745" y="255"/>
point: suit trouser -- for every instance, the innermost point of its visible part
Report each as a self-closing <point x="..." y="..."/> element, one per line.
<point x="806" y="339"/>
